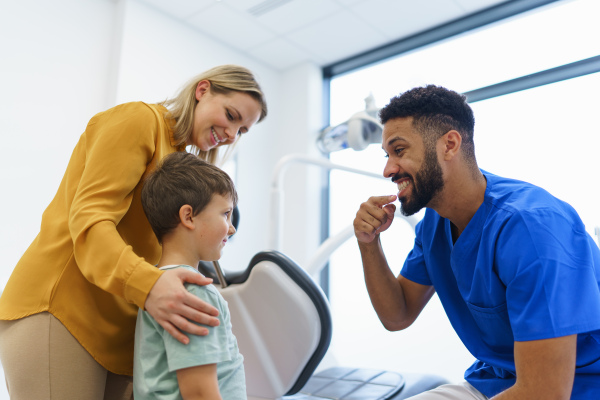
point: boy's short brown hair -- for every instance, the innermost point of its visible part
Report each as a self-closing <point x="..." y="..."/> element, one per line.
<point x="182" y="178"/>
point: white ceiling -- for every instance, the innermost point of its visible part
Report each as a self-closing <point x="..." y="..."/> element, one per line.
<point x="283" y="33"/>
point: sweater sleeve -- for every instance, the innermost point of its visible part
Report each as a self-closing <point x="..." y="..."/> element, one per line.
<point x="119" y="145"/>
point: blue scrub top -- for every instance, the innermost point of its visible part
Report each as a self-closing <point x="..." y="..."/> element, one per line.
<point x="523" y="269"/>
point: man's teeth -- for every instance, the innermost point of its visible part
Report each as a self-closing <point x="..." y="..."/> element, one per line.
<point x="403" y="185"/>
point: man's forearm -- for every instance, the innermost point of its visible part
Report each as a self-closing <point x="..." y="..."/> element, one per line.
<point x="384" y="290"/>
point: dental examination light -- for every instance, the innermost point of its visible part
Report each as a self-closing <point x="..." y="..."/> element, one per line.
<point x="359" y="131"/>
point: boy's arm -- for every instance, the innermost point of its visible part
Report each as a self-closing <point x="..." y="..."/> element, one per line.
<point x="199" y="383"/>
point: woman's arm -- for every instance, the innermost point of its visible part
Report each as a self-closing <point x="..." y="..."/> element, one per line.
<point x="104" y="171"/>
<point x="117" y="148"/>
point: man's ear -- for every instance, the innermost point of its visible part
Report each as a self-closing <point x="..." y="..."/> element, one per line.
<point x="452" y="143"/>
<point x="186" y="216"/>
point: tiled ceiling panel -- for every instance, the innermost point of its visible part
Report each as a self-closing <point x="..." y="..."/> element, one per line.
<point x="283" y="33"/>
<point x="338" y="36"/>
<point x="406" y="17"/>
<point x="298" y="14"/>
<point x="180" y="9"/>
<point x="231" y="26"/>
<point x="282" y="54"/>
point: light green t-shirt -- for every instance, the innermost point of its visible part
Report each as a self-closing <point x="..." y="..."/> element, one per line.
<point x="157" y="355"/>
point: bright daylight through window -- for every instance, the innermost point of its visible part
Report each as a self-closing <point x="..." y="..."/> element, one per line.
<point x="547" y="135"/>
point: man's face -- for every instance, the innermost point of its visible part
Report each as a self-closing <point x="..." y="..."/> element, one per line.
<point x="412" y="165"/>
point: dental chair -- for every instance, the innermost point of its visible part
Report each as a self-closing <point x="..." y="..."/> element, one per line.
<point x="282" y="322"/>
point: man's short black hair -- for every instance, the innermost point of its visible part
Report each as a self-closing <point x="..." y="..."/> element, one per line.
<point x="435" y="110"/>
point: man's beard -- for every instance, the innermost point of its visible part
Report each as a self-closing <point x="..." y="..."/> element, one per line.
<point x="429" y="182"/>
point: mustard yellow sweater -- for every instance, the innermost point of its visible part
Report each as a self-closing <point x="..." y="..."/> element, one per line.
<point x="92" y="264"/>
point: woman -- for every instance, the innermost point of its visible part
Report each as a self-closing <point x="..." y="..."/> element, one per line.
<point x="68" y="311"/>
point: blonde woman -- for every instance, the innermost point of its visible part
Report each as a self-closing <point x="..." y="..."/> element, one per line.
<point x="68" y="312"/>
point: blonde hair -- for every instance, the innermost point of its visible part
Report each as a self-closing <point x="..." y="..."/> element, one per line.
<point x="223" y="80"/>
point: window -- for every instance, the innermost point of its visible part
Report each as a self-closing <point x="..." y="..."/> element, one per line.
<point x="546" y="135"/>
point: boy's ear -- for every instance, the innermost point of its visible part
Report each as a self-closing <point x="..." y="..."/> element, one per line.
<point x="186" y="214"/>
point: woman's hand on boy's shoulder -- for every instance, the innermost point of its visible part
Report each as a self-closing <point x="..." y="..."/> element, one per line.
<point x="173" y="307"/>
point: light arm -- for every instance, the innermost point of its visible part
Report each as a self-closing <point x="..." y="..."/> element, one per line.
<point x="199" y="383"/>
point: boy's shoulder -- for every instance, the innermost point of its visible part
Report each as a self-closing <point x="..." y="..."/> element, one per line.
<point x="208" y="293"/>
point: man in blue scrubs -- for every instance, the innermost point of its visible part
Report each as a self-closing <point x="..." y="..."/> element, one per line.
<point x="513" y="266"/>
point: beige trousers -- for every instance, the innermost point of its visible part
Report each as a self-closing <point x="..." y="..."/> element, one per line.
<point x="460" y="391"/>
<point x="43" y="361"/>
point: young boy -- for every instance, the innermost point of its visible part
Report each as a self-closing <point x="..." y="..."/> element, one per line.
<point x="189" y="204"/>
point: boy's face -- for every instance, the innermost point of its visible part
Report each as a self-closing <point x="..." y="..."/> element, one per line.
<point x="214" y="228"/>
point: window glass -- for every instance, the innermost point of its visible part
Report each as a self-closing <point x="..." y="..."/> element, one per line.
<point x="547" y="136"/>
<point x="558" y="34"/>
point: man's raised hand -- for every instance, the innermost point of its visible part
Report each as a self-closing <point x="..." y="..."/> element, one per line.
<point x="373" y="217"/>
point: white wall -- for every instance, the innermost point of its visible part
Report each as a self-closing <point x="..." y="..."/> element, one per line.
<point x="54" y="63"/>
<point x="299" y="124"/>
<point x="54" y="60"/>
<point x="65" y="60"/>
<point x="55" y="70"/>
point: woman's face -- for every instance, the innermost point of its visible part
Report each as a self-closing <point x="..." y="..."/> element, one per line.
<point x="220" y="119"/>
